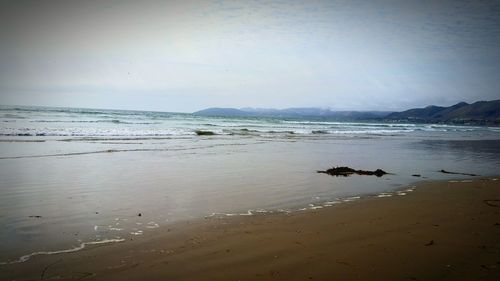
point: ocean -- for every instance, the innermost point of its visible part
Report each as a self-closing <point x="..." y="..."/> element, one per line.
<point x="72" y="177"/>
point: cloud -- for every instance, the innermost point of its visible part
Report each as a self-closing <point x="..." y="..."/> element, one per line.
<point x="182" y="56"/>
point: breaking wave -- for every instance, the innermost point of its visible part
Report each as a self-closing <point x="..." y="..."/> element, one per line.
<point x="73" y="122"/>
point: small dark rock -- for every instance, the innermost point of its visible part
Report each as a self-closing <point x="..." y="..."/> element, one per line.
<point x="416" y="175"/>
<point x="204" y="133"/>
<point x="430" y="243"/>
<point x="37" y="217"/>
<point x="455" y="173"/>
<point x="139" y="215"/>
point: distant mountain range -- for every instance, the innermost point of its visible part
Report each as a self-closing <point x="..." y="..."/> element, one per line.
<point x="481" y="112"/>
<point x="314" y="113"/>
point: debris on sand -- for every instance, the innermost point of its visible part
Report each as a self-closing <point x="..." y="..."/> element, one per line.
<point x="455" y="173"/>
<point x="416" y="175"/>
<point x="492" y="202"/>
<point x="430" y="243"/>
<point x="346" y="171"/>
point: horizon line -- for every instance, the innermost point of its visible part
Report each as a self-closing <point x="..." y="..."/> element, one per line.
<point x="238" y="108"/>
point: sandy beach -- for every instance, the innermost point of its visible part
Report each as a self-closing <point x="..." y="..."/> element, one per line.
<point x="249" y="140"/>
<point x="445" y="230"/>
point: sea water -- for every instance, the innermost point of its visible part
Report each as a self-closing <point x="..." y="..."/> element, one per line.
<point x="74" y="177"/>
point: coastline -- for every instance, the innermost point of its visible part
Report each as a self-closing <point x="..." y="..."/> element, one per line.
<point x="445" y="230"/>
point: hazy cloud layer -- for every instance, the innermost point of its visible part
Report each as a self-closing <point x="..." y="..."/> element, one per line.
<point x="187" y="55"/>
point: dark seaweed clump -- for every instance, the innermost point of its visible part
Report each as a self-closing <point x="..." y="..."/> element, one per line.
<point x="204" y="133"/>
<point x="455" y="173"/>
<point x="346" y="171"/>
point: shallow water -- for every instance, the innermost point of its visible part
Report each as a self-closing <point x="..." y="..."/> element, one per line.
<point x="89" y="181"/>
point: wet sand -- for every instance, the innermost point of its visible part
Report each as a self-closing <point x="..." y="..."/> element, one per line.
<point x="441" y="231"/>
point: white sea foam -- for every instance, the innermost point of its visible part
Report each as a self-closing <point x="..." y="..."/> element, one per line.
<point x="248" y="213"/>
<point x="381" y="195"/>
<point x="115" y="229"/>
<point x="350" y="199"/>
<point x="71" y="250"/>
<point x="332" y="202"/>
<point x="152" y="224"/>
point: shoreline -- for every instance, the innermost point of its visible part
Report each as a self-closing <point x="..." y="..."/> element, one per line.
<point x="354" y="241"/>
<point x="401" y="191"/>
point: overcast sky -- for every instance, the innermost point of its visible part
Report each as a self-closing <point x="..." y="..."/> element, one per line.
<point x="187" y="55"/>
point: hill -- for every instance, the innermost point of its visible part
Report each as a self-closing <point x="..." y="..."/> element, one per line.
<point x="481" y="112"/>
<point x="307" y="112"/>
<point x="478" y="113"/>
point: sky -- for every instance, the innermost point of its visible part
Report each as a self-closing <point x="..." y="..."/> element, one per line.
<point x="183" y="56"/>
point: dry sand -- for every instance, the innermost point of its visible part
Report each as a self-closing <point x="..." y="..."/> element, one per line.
<point x="441" y="231"/>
